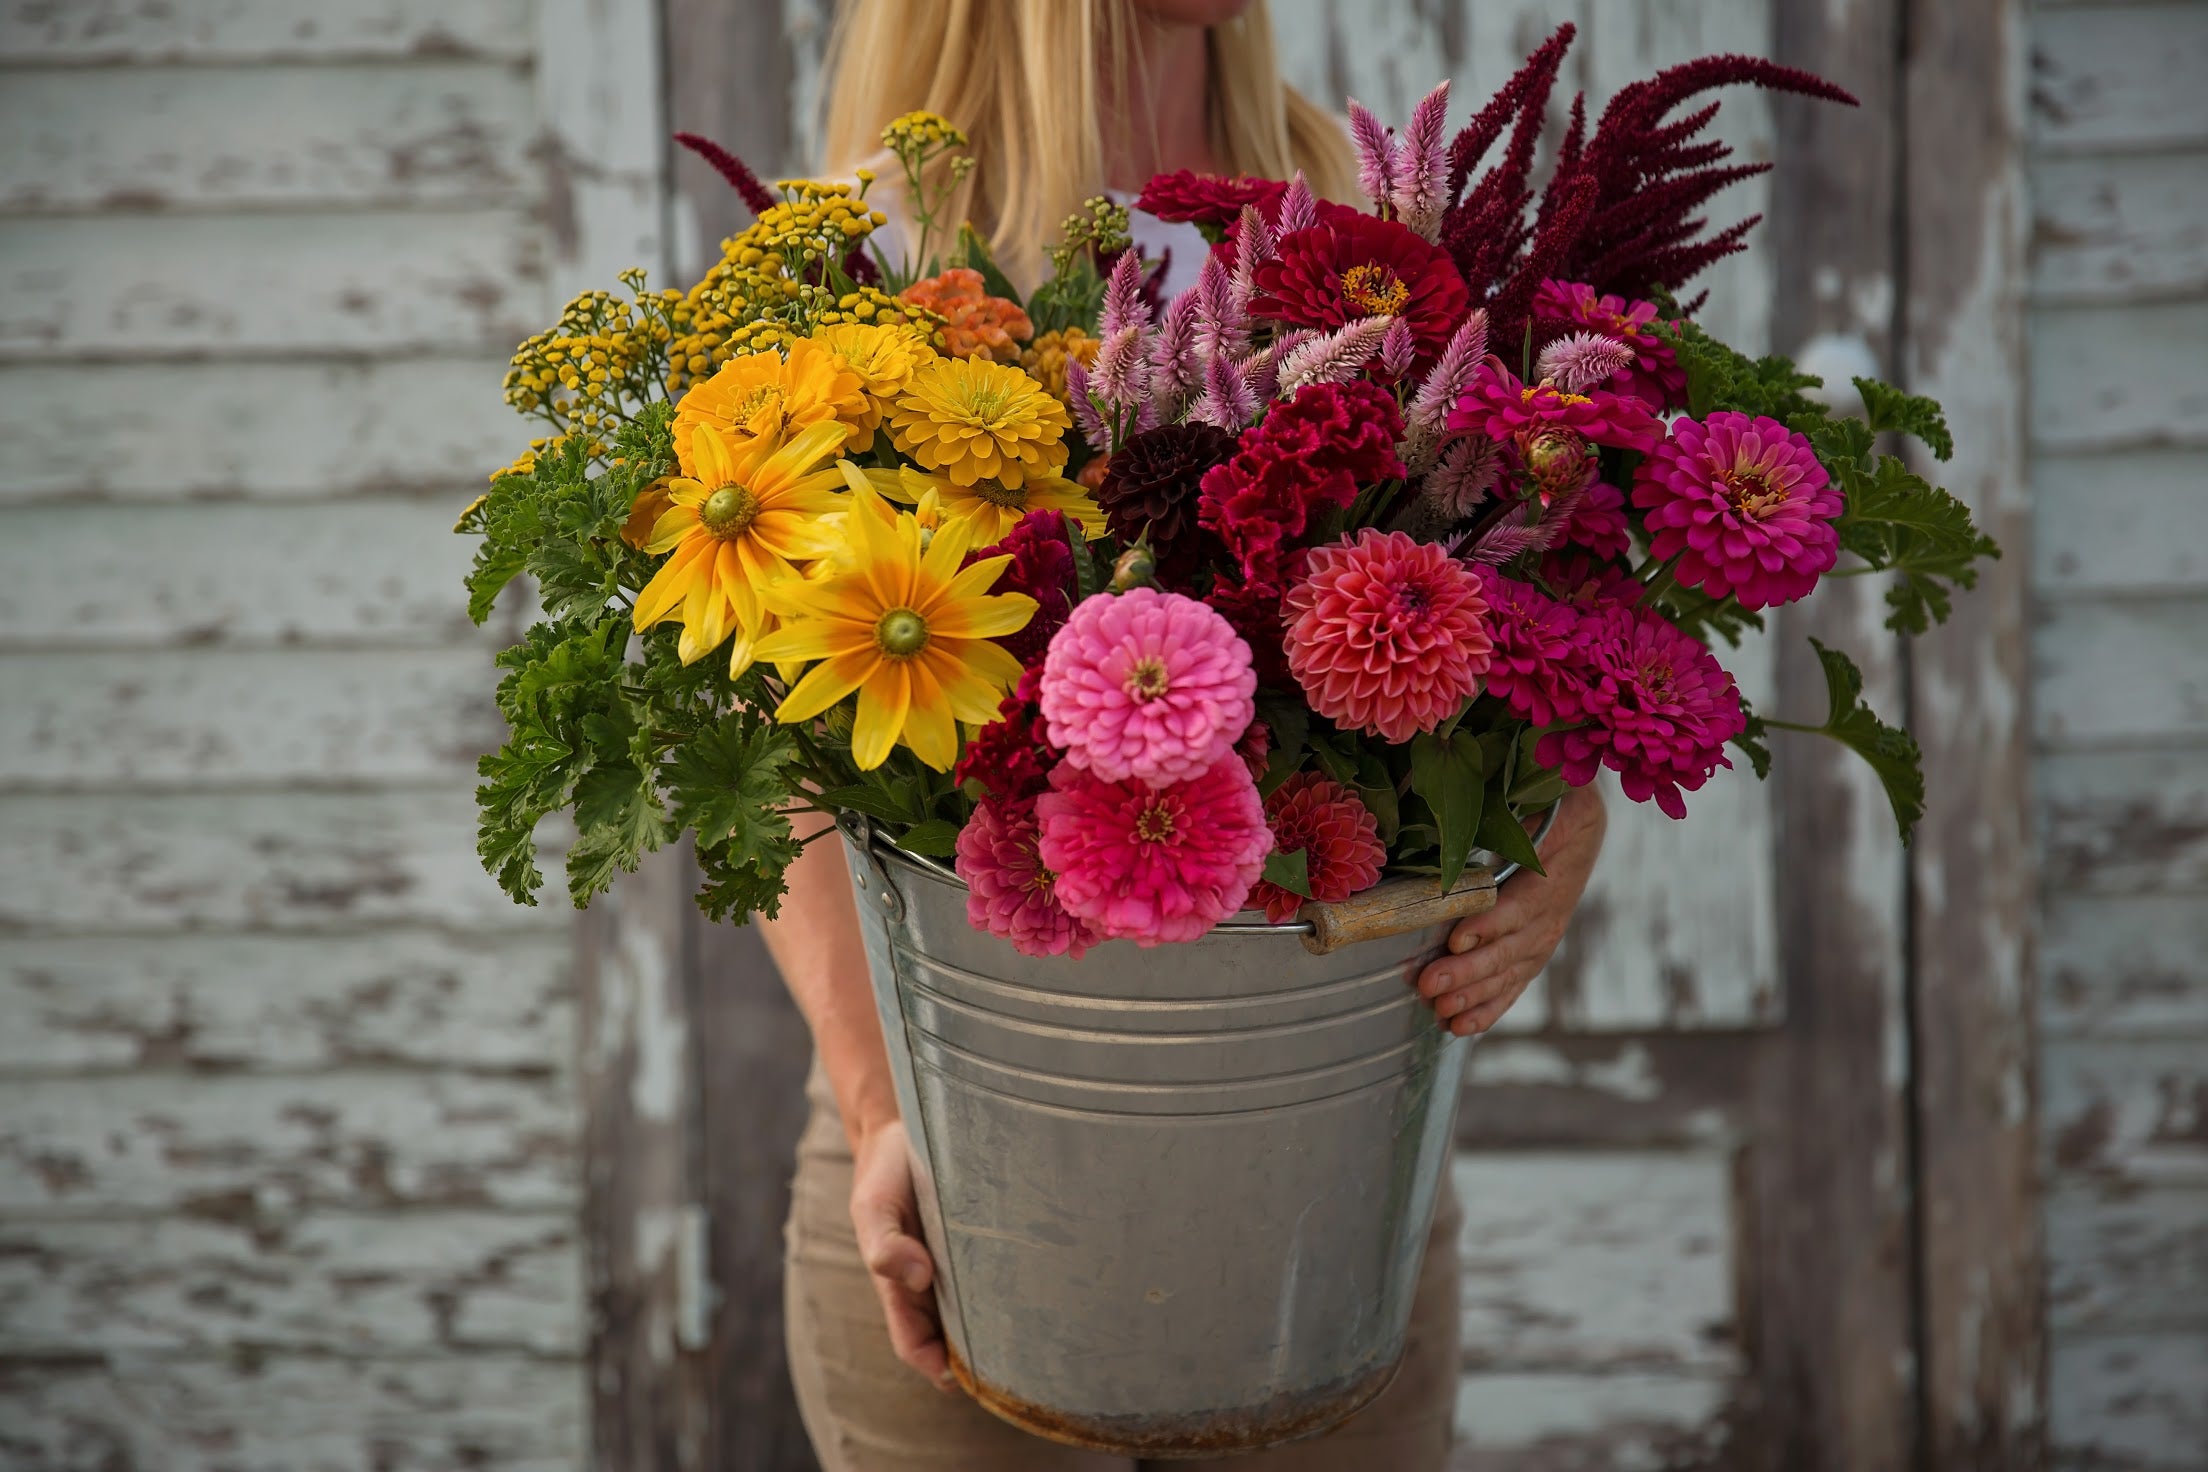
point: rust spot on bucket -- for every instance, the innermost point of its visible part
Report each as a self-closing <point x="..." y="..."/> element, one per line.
<point x="1287" y="1417"/>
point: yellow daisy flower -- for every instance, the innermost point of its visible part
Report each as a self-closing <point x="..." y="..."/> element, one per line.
<point x="740" y="521"/>
<point x="767" y="396"/>
<point x="908" y="630"/>
<point x="990" y="510"/>
<point x="974" y="420"/>
<point x="884" y="358"/>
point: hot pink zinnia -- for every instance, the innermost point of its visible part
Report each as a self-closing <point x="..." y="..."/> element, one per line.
<point x="1503" y="408"/>
<point x="1533" y="666"/>
<point x="1659" y="708"/>
<point x="1745" y="507"/>
<point x="1147" y="685"/>
<point x="1385" y="634"/>
<point x="1154" y="864"/>
<point x="1337" y="835"/>
<point x="1009" y="891"/>
<point x="1655" y="377"/>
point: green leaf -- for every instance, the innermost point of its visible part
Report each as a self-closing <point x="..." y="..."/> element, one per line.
<point x="1291" y="871"/>
<point x="1502" y="834"/>
<point x="1891" y="409"/>
<point x="618" y="820"/>
<point x="1448" y="775"/>
<point x="1753" y="740"/>
<point x="1889" y="749"/>
<point x="1337" y="763"/>
<point x="937" y="838"/>
<point x="973" y="252"/>
<point x="734" y="892"/>
<point x="1897" y="520"/>
<point x="494" y="568"/>
<point x="726" y="782"/>
<point x="871" y="801"/>
<point x="523" y="780"/>
<point x="1718" y="377"/>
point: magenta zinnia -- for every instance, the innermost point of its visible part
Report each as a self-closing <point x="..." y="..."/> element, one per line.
<point x="1654" y="377"/>
<point x="1334" y="831"/>
<point x="1154" y="864"/>
<point x="1745" y="507"/>
<point x="1532" y="667"/>
<point x="1385" y="634"/>
<point x="1148" y="686"/>
<point x="1009" y="892"/>
<point x="1500" y="406"/>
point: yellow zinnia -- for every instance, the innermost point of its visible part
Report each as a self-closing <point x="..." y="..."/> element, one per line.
<point x="767" y="396"/>
<point x="974" y="420"/>
<point x="989" y="510"/>
<point x="739" y="521"/>
<point x="907" y="629"/>
<point x="884" y="358"/>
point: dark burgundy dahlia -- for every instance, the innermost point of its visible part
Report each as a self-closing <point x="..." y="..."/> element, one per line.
<point x="1152" y="485"/>
<point x="1348" y="267"/>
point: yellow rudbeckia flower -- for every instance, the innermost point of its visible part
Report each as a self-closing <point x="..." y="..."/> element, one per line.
<point x="907" y="629"/>
<point x="767" y="396"/>
<point x="990" y="510"/>
<point x="741" y="519"/>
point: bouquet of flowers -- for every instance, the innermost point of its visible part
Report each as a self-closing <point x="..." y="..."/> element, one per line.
<point x="1337" y="565"/>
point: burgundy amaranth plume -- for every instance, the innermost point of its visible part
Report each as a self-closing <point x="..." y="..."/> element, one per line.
<point x="759" y="199"/>
<point x="1618" y="212"/>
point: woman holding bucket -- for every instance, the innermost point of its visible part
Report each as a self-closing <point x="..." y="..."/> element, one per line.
<point x="1063" y="98"/>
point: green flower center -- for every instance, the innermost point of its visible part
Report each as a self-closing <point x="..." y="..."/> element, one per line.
<point x="1146" y="680"/>
<point x="728" y="511"/>
<point x="901" y="633"/>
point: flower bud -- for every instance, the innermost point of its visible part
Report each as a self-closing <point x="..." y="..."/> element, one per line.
<point x="1137" y="568"/>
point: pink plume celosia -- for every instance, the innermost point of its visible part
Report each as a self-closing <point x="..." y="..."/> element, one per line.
<point x="1467" y="472"/>
<point x="1253" y="246"/>
<point x="1299" y="209"/>
<point x="1123" y="304"/>
<point x="1119" y="377"/>
<point x="1227" y="399"/>
<point x="1375" y="155"/>
<point x="1507" y="540"/>
<point x="1222" y="316"/>
<point x="1337" y="357"/>
<point x="1146" y="686"/>
<point x="1451" y="375"/>
<point x="1421" y="191"/>
<point x="1261" y="372"/>
<point x="1398" y="346"/>
<point x="1093" y="427"/>
<point x="1579" y="362"/>
<point x="1173" y="371"/>
<point x="1154" y="864"/>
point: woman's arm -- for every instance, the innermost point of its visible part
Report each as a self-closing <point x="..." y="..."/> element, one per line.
<point x="815" y="943"/>
<point x="1495" y="956"/>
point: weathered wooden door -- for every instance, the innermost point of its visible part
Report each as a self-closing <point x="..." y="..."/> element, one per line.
<point x="1748" y="1176"/>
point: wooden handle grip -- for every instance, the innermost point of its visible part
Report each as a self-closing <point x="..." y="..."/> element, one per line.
<point x="1395" y="907"/>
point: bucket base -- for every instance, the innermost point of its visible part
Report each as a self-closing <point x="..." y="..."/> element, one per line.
<point x="1208" y="1434"/>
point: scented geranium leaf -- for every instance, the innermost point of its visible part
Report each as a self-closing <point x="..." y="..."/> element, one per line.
<point x="618" y="820"/>
<point x="1502" y="834"/>
<point x="1897" y="520"/>
<point x="1889" y="750"/>
<point x="494" y="568"/>
<point x="735" y="890"/>
<point x="1450" y="777"/>
<point x="523" y="780"/>
<point x="726" y="782"/>
<point x="1291" y="871"/>
<point x="1753" y="740"/>
<point x="1888" y="408"/>
<point x="936" y="839"/>
<point x="1718" y="377"/>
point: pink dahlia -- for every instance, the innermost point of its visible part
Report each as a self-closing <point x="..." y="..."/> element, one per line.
<point x="1386" y="634"/>
<point x="1745" y="507"/>
<point x="1534" y="666"/>
<point x="1503" y="408"/>
<point x="1347" y="267"/>
<point x="1009" y="892"/>
<point x="1659" y="708"/>
<point x="1154" y="864"/>
<point x="1147" y="686"/>
<point x="1333" y="829"/>
<point x="1654" y="377"/>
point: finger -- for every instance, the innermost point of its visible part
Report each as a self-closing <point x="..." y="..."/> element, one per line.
<point x="1457" y="973"/>
<point x="914" y="1333"/>
<point x="1450" y="1004"/>
<point x="1510" y="914"/>
<point x="1486" y="1014"/>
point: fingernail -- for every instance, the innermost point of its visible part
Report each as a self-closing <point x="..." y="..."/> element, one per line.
<point x="915" y="1279"/>
<point x="1460" y="942"/>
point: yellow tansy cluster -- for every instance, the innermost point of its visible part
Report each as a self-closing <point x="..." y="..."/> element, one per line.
<point x="1098" y="224"/>
<point x="921" y="132"/>
<point x="598" y="364"/>
<point x="1046" y="358"/>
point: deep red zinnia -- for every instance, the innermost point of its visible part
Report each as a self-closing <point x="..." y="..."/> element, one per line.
<point x="1349" y="267"/>
<point x="1533" y="667"/>
<point x="1011" y="758"/>
<point x="1207" y="199"/>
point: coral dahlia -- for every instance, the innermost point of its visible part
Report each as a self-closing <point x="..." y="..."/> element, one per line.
<point x="1349" y="267"/>
<point x="1009" y="890"/>
<point x="1745" y="507"/>
<point x="1337" y="835"/>
<point x="1154" y="864"/>
<point x="1387" y="635"/>
<point x="1147" y="687"/>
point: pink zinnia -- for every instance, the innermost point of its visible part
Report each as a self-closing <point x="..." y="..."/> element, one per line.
<point x="1534" y="666"/>
<point x="1596" y="521"/>
<point x="1745" y="507"/>
<point x="1146" y="685"/>
<point x="1505" y="409"/>
<point x="1385" y="634"/>
<point x="1335" y="832"/>
<point x="1654" y="377"/>
<point x="1009" y="891"/>
<point x="1154" y="864"/>
<point x="1659" y="709"/>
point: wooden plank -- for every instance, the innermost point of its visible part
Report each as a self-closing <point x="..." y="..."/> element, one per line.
<point x="422" y="1282"/>
<point x="289" y="861"/>
<point x="374" y="425"/>
<point x="2129" y="1402"/>
<point x="2127" y="1113"/>
<point x="2132" y="522"/>
<point x="384" y="572"/>
<point x="1982" y="1329"/>
<point x="273" y="1142"/>
<point x="603" y="138"/>
<point x="2123" y="965"/>
<point x="2127" y="1260"/>
<point x="2118" y="377"/>
<point x="141" y="139"/>
<point x="1608" y="1260"/>
<point x="378" y="281"/>
<point x="2121" y="822"/>
<point x="399" y="996"/>
<point x="722" y="83"/>
<point x="111" y="32"/>
<point x="2124" y="672"/>
<point x="1588" y="1423"/>
<point x="89" y="720"/>
<point x="2115" y="229"/>
<point x="1559" y="1090"/>
<point x="2117" y="77"/>
<point x="250" y="1413"/>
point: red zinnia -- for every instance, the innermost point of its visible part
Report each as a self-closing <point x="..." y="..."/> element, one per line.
<point x="1349" y="267"/>
<point x="1337" y="835"/>
<point x="1207" y="199"/>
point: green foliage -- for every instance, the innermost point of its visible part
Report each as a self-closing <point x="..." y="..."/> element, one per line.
<point x="1448" y="774"/>
<point x="937" y="838"/>
<point x="1888" y="408"/>
<point x="1502" y="833"/>
<point x="1718" y="377"/>
<point x="1072" y="297"/>
<point x="1897" y="520"/>
<point x="974" y="253"/>
<point x="559" y="695"/>
<point x="727" y="783"/>
<point x="1753" y="740"/>
<point x="1291" y="871"/>
<point x="1889" y="749"/>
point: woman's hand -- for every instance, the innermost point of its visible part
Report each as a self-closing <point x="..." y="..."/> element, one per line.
<point x="1495" y="956"/>
<point x="885" y="1213"/>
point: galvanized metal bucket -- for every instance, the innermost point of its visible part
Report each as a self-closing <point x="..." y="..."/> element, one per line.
<point x="1178" y="1198"/>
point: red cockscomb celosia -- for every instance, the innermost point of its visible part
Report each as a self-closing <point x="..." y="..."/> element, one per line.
<point x="1011" y="757"/>
<point x="1501" y="407"/>
<point x="1009" y="890"/>
<point x="1253" y="609"/>
<point x="1349" y="267"/>
<point x="1042" y="568"/>
<point x="1335" y="832"/>
<point x="1655" y="378"/>
<point x="1309" y="454"/>
<point x="1386" y="634"/>
<point x="1745" y="507"/>
<point x="1659" y="708"/>
<point x="1533" y="666"/>
<point x="1154" y="864"/>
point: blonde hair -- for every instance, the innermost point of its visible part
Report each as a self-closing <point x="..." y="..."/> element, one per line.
<point x="1026" y="80"/>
